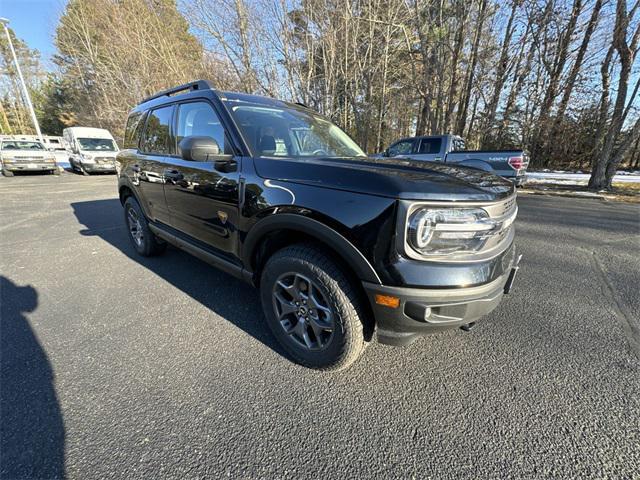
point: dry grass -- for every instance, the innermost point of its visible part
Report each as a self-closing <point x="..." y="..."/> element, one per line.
<point x="622" y="191"/>
<point x="628" y="188"/>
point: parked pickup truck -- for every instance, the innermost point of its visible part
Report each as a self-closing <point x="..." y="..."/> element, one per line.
<point x="341" y="246"/>
<point x="511" y="164"/>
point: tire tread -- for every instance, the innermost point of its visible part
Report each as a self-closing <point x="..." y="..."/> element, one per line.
<point x="341" y="291"/>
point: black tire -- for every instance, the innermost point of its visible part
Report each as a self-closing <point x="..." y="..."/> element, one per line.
<point x="146" y="243"/>
<point x="344" y="342"/>
<point x="7" y="173"/>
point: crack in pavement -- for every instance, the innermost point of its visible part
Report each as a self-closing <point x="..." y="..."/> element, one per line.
<point x="629" y="323"/>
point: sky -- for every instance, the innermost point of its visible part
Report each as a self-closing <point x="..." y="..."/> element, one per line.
<point x="34" y="21"/>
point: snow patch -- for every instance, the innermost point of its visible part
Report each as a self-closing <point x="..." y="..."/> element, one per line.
<point x="558" y="177"/>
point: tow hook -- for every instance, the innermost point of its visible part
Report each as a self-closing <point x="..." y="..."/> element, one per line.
<point x="512" y="276"/>
<point x="468" y="326"/>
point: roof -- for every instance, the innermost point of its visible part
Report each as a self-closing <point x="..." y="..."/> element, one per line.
<point x="90" y="132"/>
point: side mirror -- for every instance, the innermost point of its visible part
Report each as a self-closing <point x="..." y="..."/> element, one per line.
<point x="198" y="149"/>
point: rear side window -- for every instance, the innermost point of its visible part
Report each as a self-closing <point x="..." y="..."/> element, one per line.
<point x="157" y="134"/>
<point x="403" y="147"/>
<point x="132" y="131"/>
<point x="430" y="145"/>
<point x="198" y="119"/>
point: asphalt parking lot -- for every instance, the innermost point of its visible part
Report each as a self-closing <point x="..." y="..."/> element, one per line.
<point x="116" y="366"/>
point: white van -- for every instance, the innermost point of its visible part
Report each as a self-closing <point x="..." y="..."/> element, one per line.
<point x="58" y="147"/>
<point x="92" y="149"/>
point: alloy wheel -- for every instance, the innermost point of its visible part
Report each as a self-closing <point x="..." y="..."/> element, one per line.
<point x="135" y="227"/>
<point x="303" y="311"/>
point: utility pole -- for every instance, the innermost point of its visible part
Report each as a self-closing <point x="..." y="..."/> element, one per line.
<point x="5" y="22"/>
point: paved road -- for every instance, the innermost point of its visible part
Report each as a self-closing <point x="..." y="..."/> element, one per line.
<point x="114" y="366"/>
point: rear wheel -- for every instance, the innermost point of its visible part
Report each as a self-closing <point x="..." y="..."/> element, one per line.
<point x="143" y="239"/>
<point x="312" y="308"/>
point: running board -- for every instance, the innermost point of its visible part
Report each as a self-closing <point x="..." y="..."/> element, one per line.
<point x="212" y="259"/>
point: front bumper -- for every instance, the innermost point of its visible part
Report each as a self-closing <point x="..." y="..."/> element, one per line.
<point x="30" y="167"/>
<point x="99" y="167"/>
<point x="422" y="311"/>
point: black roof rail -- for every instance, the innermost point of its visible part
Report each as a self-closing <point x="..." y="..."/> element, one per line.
<point x="197" y="85"/>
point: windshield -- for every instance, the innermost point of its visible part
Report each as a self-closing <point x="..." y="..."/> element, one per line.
<point x="16" y="145"/>
<point x="97" y="144"/>
<point x="274" y="131"/>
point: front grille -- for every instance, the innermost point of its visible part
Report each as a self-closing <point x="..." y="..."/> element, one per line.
<point x="502" y="209"/>
<point x="26" y="159"/>
<point x="104" y="160"/>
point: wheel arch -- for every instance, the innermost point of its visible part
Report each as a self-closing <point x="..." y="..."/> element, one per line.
<point x="280" y="230"/>
<point x="125" y="192"/>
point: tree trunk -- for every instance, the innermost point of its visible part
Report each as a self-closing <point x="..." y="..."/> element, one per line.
<point x="607" y="161"/>
<point x="501" y="74"/>
<point x="466" y="95"/>
<point x="540" y="150"/>
<point x="577" y="65"/>
<point x="455" y="80"/>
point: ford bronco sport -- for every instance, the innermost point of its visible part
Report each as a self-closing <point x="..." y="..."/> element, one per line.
<point x="342" y="247"/>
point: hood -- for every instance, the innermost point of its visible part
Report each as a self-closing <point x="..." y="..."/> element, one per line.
<point x="99" y="153"/>
<point x="390" y="177"/>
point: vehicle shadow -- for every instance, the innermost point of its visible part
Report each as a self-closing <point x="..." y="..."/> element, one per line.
<point x="32" y="434"/>
<point x="225" y="295"/>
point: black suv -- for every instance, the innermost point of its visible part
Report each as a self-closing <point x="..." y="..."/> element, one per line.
<point x="342" y="246"/>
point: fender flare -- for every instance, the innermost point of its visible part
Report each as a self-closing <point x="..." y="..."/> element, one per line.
<point x="477" y="164"/>
<point x="123" y="183"/>
<point x="289" y="221"/>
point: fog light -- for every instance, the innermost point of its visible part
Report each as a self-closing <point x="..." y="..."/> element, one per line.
<point x="427" y="313"/>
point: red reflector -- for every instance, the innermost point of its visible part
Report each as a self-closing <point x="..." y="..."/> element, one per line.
<point x="516" y="162"/>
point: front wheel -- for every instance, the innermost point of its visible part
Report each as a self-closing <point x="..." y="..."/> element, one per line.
<point x="312" y="308"/>
<point x="7" y="173"/>
<point x="143" y="239"/>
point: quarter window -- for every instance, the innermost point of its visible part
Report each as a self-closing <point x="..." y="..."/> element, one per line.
<point x="401" y="148"/>
<point x="158" y="132"/>
<point x="135" y="122"/>
<point x="200" y="120"/>
<point x="430" y="145"/>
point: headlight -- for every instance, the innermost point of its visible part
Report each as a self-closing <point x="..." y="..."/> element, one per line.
<point x="435" y="231"/>
<point x="87" y="158"/>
